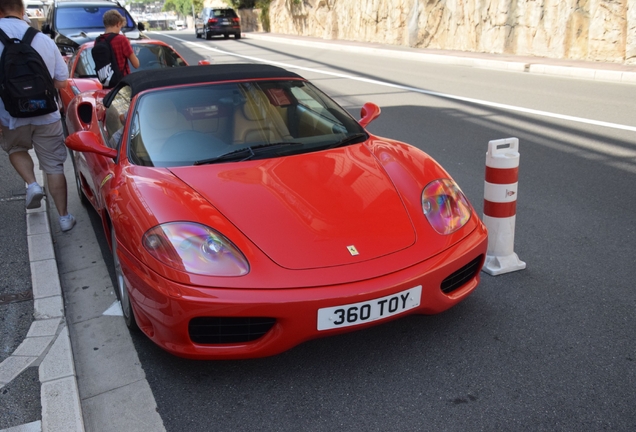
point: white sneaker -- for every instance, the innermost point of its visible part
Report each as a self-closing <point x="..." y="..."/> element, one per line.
<point x="67" y="222"/>
<point x="34" y="195"/>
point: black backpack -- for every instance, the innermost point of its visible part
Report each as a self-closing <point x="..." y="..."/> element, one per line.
<point x="106" y="65"/>
<point x="26" y="85"/>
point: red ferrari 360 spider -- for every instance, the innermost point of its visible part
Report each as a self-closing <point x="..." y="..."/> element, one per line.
<point x="248" y="212"/>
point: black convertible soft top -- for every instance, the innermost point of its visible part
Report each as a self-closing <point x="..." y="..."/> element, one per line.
<point x="157" y="78"/>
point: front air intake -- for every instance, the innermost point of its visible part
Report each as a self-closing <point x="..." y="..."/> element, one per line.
<point x="227" y="330"/>
<point x="461" y="276"/>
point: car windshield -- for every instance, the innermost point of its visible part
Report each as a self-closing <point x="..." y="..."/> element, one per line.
<point x="150" y="56"/>
<point x="87" y="18"/>
<point x="231" y="122"/>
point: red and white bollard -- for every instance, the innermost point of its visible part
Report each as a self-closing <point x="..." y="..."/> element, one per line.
<point x="500" y="206"/>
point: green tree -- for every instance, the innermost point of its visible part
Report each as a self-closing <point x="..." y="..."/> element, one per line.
<point x="143" y="2"/>
<point x="182" y="7"/>
<point x="245" y="4"/>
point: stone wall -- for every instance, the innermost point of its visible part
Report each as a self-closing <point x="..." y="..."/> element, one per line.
<point x="592" y="30"/>
<point x="250" y="20"/>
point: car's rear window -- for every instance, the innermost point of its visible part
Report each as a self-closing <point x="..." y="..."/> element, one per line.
<point x="223" y="13"/>
<point x="150" y="57"/>
<point x="87" y="17"/>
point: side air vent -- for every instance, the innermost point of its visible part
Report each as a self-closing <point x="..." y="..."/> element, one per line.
<point x="461" y="276"/>
<point x="227" y="330"/>
<point x="85" y="113"/>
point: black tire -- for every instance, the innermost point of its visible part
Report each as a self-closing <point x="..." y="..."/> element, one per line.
<point x="226" y="36"/>
<point x="237" y="35"/>
<point x="78" y="183"/>
<point x="120" y="288"/>
<point x="208" y="36"/>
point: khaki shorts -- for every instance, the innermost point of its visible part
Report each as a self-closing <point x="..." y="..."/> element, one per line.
<point x="46" y="140"/>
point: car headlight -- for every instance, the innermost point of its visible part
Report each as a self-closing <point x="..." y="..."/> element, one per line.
<point x="445" y="206"/>
<point x="195" y="248"/>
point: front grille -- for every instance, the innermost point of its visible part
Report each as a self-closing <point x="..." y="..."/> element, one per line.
<point x="226" y="330"/>
<point x="461" y="276"/>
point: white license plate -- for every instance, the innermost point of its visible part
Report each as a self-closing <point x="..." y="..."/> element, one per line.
<point x="368" y="311"/>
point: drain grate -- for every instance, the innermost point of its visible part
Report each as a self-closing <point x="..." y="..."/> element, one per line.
<point x="14" y="298"/>
<point x="16" y="195"/>
<point x="17" y="198"/>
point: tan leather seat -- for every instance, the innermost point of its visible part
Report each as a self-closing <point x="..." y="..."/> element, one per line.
<point x="257" y="121"/>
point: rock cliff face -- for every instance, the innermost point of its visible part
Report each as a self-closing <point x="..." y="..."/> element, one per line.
<point x="593" y="30"/>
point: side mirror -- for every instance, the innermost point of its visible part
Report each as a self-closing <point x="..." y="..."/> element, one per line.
<point x="141" y="26"/>
<point x="86" y="141"/>
<point x="368" y="113"/>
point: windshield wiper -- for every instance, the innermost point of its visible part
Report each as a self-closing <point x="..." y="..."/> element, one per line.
<point x="246" y="153"/>
<point x="350" y="139"/>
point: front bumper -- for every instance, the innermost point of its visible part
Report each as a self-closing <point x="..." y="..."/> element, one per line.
<point x="165" y="309"/>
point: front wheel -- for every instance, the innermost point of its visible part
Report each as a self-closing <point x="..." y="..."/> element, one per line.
<point x="121" y="288"/>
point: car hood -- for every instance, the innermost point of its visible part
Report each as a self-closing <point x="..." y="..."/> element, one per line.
<point x="314" y="210"/>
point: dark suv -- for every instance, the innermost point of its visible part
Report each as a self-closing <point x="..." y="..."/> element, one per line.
<point x="214" y="21"/>
<point x="70" y="23"/>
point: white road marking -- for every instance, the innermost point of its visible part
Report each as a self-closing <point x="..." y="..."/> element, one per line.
<point x="419" y="90"/>
<point x="114" y="310"/>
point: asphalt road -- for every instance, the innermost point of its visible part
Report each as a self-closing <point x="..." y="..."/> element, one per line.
<point x="551" y="347"/>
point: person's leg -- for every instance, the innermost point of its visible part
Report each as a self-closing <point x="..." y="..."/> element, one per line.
<point x="17" y="144"/>
<point x="56" y="184"/>
<point x="48" y="142"/>
<point x="23" y="164"/>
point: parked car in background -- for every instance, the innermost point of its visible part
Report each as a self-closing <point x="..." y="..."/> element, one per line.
<point x="218" y="22"/>
<point x="179" y="25"/>
<point x="70" y="23"/>
<point x="152" y="54"/>
<point x="247" y="212"/>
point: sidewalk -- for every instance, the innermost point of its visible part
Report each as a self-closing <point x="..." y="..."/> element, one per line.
<point x="47" y="344"/>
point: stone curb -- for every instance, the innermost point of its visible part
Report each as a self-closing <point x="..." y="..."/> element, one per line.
<point x="47" y="344"/>
<point x="625" y="77"/>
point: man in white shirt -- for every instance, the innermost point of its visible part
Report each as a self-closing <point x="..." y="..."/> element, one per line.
<point x="43" y="133"/>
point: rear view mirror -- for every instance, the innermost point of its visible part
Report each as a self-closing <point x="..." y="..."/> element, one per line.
<point x="86" y="141"/>
<point x="369" y="112"/>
